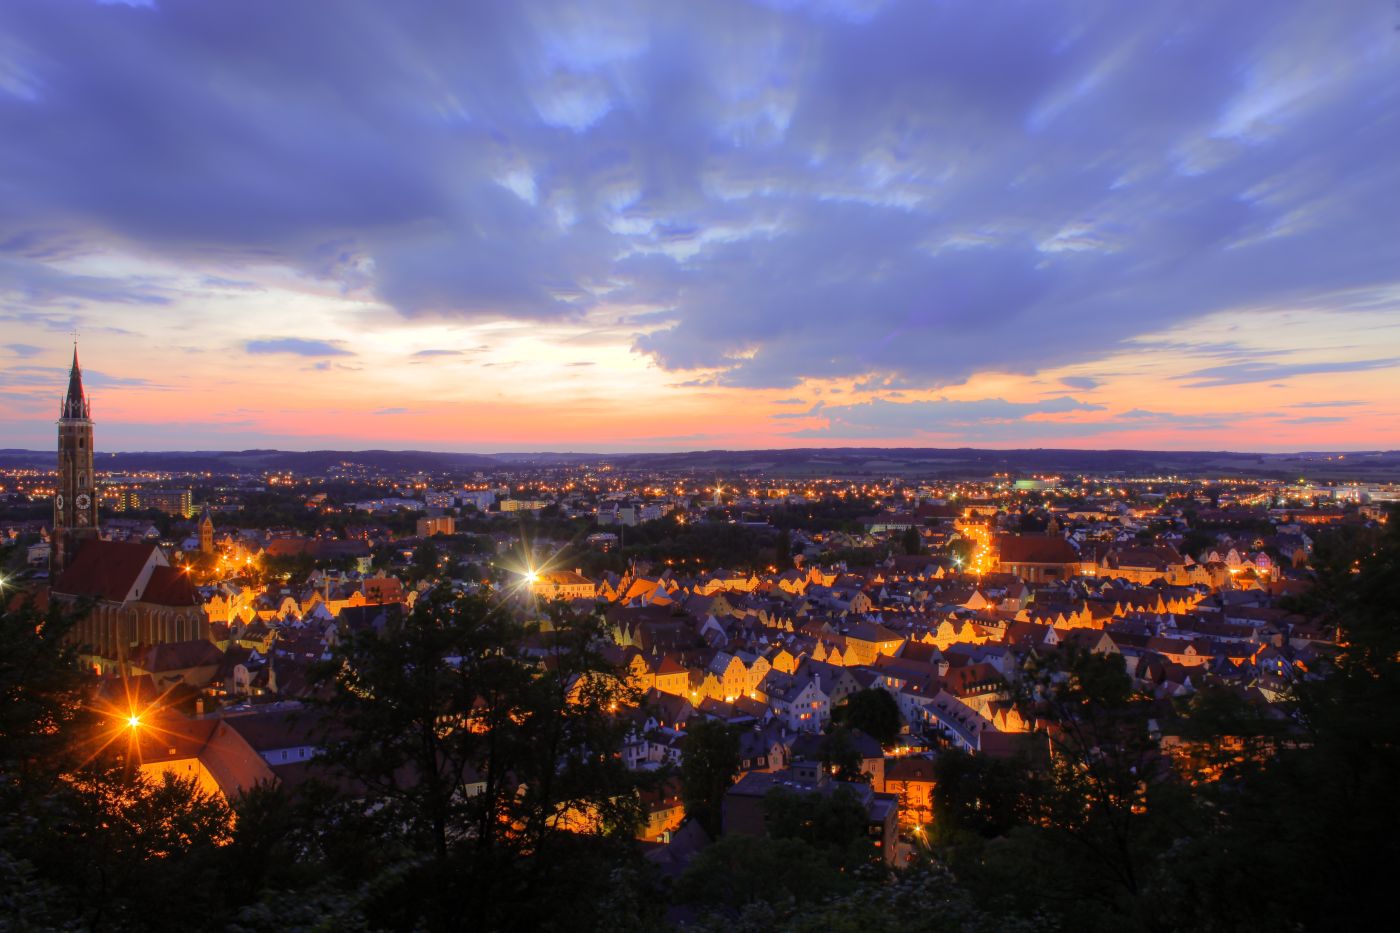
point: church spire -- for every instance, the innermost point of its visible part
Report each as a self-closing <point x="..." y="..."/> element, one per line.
<point x="75" y="403"/>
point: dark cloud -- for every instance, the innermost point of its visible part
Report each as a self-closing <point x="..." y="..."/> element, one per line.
<point x="296" y="346"/>
<point x="1313" y="419"/>
<point x="37" y="285"/>
<point x="907" y="190"/>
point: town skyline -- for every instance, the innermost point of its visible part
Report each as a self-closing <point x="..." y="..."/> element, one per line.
<point x="729" y="225"/>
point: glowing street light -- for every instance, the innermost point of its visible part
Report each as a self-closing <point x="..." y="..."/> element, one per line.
<point x="134" y="721"/>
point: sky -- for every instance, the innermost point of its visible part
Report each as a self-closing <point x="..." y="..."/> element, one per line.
<point x="618" y="226"/>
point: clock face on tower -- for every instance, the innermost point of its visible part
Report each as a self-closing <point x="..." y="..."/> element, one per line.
<point x="58" y="501"/>
<point x="82" y="501"/>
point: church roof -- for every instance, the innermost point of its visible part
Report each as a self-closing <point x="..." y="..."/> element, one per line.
<point x="1035" y="549"/>
<point x="105" y="569"/>
<point x="75" y="403"/>
<point x="170" y="586"/>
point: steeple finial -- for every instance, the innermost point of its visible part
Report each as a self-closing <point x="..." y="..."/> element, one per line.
<point x="75" y="403"/>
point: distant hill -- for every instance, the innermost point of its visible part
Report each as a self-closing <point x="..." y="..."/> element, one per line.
<point x="909" y="462"/>
<point x="256" y="461"/>
<point x="970" y="462"/>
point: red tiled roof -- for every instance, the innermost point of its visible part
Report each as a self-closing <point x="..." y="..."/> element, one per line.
<point x="1035" y="549"/>
<point x="105" y="569"/>
<point x="908" y="770"/>
<point x="169" y="586"/>
<point x="179" y="655"/>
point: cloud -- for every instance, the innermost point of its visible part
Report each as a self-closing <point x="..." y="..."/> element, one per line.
<point x="1081" y="382"/>
<point x="1243" y="373"/>
<point x="296" y="346"/>
<point x="391" y="411"/>
<point x="982" y="419"/>
<point x="220" y="282"/>
<point x="1344" y="403"/>
<point x="56" y="379"/>
<point x="24" y="350"/>
<point x="1314" y="419"/>
<point x="771" y="192"/>
<point x="430" y="353"/>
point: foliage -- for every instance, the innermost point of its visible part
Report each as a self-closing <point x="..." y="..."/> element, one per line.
<point x="834" y="824"/>
<point x="87" y="837"/>
<point x="979" y="795"/>
<point x="924" y="898"/>
<point x="738" y="871"/>
<point x="872" y="711"/>
<point x="709" y="761"/>
<point x="473" y="759"/>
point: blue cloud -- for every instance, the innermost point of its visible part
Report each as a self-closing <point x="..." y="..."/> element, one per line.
<point x="982" y="419"/>
<point x="296" y="346"/>
<point x="1242" y="373"/>
<point x="911" y="190"/>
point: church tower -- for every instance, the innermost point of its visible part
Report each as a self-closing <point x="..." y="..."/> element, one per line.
<point x="75" y="503"/>
<point x="206" y="531"/>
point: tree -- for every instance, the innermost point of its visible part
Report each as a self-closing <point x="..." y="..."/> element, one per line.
<point x="738" y="871"/>
<point x="911" y="542"/>
<point x="90" y="834"/>
<point x="782" y="550"/>
<point x="835" y="824"/>
<point x="840" y="757"/>
<point x="872" y="711"/>
<point x="1321" y="809"/>
<point x="979" y="795"/>
<point x="472" y="758"/>
<point x="709" y="761"/>
<point x="961" y="550"/>
<point x="425" y="561"/>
